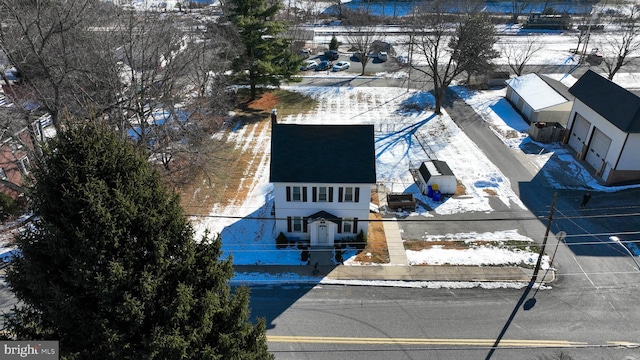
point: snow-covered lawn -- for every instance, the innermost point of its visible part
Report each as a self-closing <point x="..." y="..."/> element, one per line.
<point x="403" y="139"/>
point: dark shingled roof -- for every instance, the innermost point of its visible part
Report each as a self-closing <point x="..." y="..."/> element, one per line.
<point x="616" y="104"/>
<point x="325" y="215"/>
<point x="323" y="154"/>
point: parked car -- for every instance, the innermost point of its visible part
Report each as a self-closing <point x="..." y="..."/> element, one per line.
<point x="383" y="56"/>
<point x="305" y="53"/>
<point x="308" y="65"/>
<point x="324" y="65"/>
<point x="341" y="65"/>
<point x="331" y="55"/>
<point x="403" y="60"/>
<point x="595" y="57"/>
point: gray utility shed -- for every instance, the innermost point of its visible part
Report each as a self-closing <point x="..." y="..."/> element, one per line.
<point x="540" y="99"/>
<point x="436" y="172"/>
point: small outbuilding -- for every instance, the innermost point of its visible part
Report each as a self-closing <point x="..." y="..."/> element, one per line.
<point x="540" y="99"/>
<point x="436" y="172"/>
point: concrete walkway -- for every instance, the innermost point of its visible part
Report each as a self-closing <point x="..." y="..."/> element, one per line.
<point x="395" y="246"/>
<point x="400" y="273"/>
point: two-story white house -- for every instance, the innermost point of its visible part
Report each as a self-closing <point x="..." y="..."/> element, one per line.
<point x="322" y="177"/>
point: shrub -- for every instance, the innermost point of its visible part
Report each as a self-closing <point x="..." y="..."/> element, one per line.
<point x="8" y="206"/>
<point x="361" y="240"/>
<point x="281" y="241"/>
<point x="304" y="256"/>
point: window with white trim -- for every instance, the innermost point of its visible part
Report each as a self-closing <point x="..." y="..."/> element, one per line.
<point x="347" y="226"/>
<point x="322" y="193"/>
<point x="297" y="224"/>
<point x="348" y="194"/>
<point x="3" y="174"/>
<point x="296" y="193"/>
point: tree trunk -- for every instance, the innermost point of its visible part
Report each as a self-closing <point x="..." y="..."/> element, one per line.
<point x="438" y="94"/>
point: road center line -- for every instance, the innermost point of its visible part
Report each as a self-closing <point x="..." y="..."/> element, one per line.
<point x="417" y="341"/>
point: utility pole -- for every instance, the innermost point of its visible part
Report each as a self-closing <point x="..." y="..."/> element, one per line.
<point x="544" y="241"/>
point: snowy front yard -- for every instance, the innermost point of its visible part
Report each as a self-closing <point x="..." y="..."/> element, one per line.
<point x="403" y="139"/>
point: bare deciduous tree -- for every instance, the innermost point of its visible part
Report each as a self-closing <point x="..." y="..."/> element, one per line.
<point x="150" y="76"/>
<point x="519" y="7"/>
<point x="518" y="54"/>
<point x="362" y="40"/>
<point x="438" y="40"/>
<point x="48" y="41"/>
<point x="619" y="47"/>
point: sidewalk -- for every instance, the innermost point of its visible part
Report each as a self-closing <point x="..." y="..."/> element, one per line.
<point x="398" y="268"/>
<point x="402" y="273"/>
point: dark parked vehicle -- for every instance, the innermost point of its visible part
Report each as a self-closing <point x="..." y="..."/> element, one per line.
<point x="331" y="55"/>
<point x="324" y="65"/>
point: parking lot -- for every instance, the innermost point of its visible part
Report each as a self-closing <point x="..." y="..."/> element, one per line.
<point x="373" y="65"/>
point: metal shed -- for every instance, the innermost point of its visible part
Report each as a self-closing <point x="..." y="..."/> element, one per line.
<point x="436" y="172"/>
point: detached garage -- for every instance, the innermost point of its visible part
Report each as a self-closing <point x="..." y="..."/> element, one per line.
<point x="436" y="172"/>
<point x="540" y="99"/>
<point x="604" y="128"/>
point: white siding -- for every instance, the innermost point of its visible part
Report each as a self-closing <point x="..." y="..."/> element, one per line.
<point x="629" y="160"/>
<point x="616" y="135"/>
<point x="344" y="209"/>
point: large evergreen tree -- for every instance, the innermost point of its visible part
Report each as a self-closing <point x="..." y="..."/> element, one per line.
<point x="473" y="44"/>
<point x="111" y="269"/>
<point x="267" y="58"/>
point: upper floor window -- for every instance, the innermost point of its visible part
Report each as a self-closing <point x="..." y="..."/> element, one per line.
<point x="296" y="193"/>
<point x="322" y="193"/>
<point x="348" y="194"/>
<point x="3" y="174"/>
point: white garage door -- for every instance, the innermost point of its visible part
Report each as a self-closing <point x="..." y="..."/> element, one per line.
<point x="579" y="133"/>
<point x="598" y="149"/>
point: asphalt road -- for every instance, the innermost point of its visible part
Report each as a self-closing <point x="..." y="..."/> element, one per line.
<point x="338" y="322"/>
<point x="591" y="307"/>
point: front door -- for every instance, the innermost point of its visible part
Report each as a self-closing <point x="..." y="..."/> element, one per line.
<point x="323" y="234"/>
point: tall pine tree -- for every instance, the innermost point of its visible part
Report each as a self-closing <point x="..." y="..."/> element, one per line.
<point x="111" y="269"/>
<point x="267" y="58"/>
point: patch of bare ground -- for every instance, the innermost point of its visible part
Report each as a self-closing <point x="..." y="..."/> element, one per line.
<point x="417" y="245"/>
<point x="490" y="192"/>
<point x="460" y="188"/>
<point x="376" y="250"/>
<point x="230" y="180"/>
<point x="229" y="186"/>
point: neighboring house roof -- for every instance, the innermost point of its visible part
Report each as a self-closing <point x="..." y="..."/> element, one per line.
<point x="323" y="154"/>
<point x="558" y="86"/>
<point x="538" y="93"/>
<point x="614" y="103"/>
